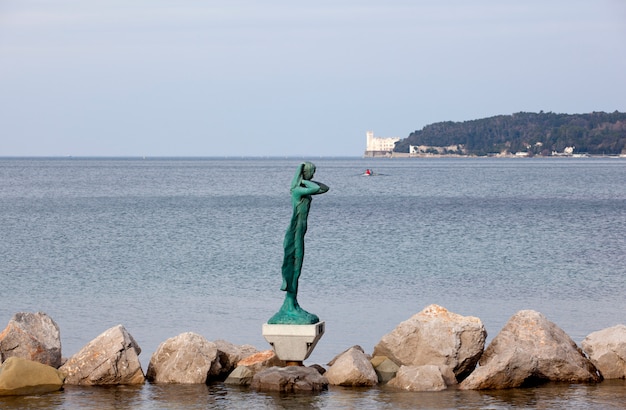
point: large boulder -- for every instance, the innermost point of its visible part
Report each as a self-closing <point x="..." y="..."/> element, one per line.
<point x="438" y="337"/>
<point x="530" y="350"/>
<point x="188" y="358"/>
<point x="32" y="336"/>
<point x="289" y="379"/>
<point x="607" y="351"/>
<point x="19" y="376"/>
<point x="352" y="368"/>
<point x="112" y="358"/>
<point x="419" y="378"/>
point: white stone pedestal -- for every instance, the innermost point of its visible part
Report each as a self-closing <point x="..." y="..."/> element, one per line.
<point x="293" y="343"/>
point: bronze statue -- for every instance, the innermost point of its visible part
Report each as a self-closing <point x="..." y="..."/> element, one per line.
<point x="302" y="187"/>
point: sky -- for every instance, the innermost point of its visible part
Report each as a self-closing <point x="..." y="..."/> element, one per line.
<point x="288" y="78"/>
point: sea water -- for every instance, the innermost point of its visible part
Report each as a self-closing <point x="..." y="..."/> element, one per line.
<point x="169" y="245"/>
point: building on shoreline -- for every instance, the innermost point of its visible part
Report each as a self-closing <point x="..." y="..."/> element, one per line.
<point x="379" y="147"/>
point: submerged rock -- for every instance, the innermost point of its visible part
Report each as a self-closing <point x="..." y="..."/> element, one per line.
<point x="32" y="336"/>
<point x="607" y="351"/>
<point x="530" y="350"/>
<point x="19" y="376"/>
<point x="437" y="337"/>
<point x="289" y="379"/>
<point x="241" y="376"/>
<point x="112" y="358"/>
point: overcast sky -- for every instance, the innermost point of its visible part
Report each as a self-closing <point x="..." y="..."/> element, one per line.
<point x="291" y="78"/>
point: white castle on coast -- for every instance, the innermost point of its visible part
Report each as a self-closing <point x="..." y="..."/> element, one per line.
<point x="379" y="147"/>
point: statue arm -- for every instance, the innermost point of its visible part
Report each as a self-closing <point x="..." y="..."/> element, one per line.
<point x="323" y="188"/>
<point x="311" y="188"/>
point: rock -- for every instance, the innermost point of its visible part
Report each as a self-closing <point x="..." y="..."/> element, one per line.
<point x="261" y="361"/>
<point x="112" y="358"/>
<point x="33" y="336"/>
<point x="438" y="337"/>
<point x="607" y="351"/>
<point x="187" y="359"/>
<point x="419" y="378"/>
<point x="232" y="354"/>
<point x="385" y="368"/>
<point x="352" y="368"/>
<point x="319" y="368"/>
<point x="359" y="348"/>
<point x="241" y="376"/>
<point x="251" y="365"/>
<point x="530" y="350"/>
<point x="289" y="379"/>
<point x="19" y="376"/>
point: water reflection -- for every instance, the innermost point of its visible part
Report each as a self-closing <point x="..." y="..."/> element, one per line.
<point x="610" y="394"/>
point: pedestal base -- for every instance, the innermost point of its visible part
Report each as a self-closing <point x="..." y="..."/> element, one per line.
<point x="293" y="343"/>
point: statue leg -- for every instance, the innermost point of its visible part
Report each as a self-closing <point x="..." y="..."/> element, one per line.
<point x="288" y="267"/>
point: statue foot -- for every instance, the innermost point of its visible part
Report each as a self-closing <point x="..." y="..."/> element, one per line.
<point x="292" y="314"/>
<point x="289" y="318"/>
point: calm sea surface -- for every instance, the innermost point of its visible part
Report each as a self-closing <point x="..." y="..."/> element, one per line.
<point x="165" y="246"/>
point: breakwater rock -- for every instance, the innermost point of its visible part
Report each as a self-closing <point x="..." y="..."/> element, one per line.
<point x="186" y="358"/>
<point x="291" y="379"/>
<point x="32" y="336"/>
<point x="352" y="368"/>
<point x="530" y="350"/>
<point x="111" y="358"/>
<point x="430" y="351"/>
<point x="607" y="351"/>
<point x="20" y="376"/>
<point x="437" y="337"/>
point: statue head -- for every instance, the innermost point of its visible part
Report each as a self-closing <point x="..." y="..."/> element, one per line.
<point x="305" y="171"/>
<point x="308" y="170"/>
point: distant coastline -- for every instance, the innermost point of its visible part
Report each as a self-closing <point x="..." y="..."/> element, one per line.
<point x="518" y="135"/>
<point x="508" y="156"/>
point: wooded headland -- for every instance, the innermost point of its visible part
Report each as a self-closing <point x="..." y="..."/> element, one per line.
<point x="522" y="134"/>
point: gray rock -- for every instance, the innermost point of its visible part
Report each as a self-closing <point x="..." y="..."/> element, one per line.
<point x="319" y="368"/>
<point x="289" y="379"/>
<point x="352" y="368"/>
<point x="438" y="337"/>
<point x="419" y="378"/>
<point x="246" y="368"/>
<point x="241" y="376"/>
<point x="607" y="351"/>
<point x="32" y="336"/>
<point x="385" y="368"/>
<point x="530" y="350"/>
<point x="187" y="359"/>
<point x="357" y="347"/>
<point x="231" y="354"/>
<point x="112" y="358"/>
<point x="19" y="376"/>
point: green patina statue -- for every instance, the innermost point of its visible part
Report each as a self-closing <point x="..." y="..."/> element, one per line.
<point x="302" y="187"/>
